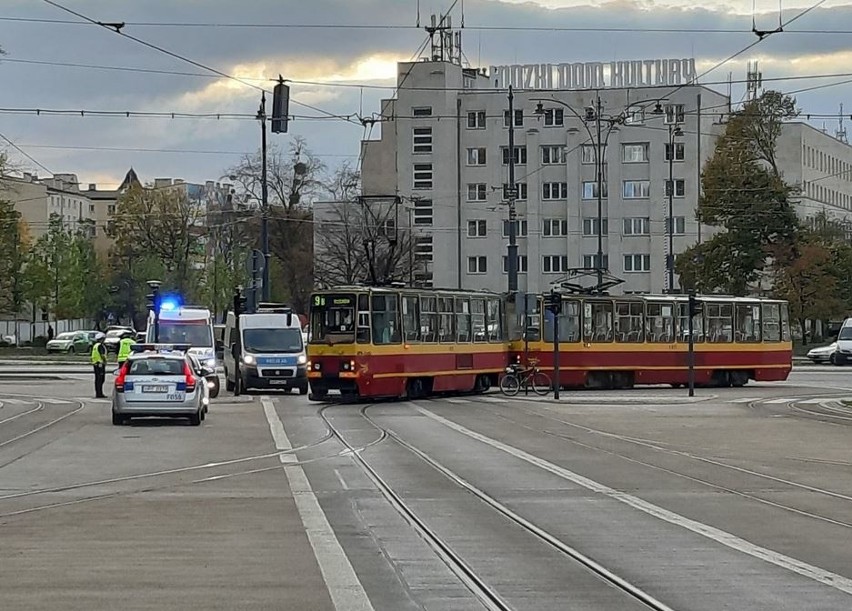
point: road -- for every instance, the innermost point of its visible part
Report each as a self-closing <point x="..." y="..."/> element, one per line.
<point x="737" y="498"/>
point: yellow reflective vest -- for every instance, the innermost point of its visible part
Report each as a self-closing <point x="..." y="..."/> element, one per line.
<point x="97" y="358"/>
<point x="124" y="349"/>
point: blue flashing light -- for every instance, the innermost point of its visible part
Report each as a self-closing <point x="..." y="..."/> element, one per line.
<point x="168" y="305"/>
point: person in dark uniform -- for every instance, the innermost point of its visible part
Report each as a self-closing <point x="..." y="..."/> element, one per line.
<point x="99" y="366"/>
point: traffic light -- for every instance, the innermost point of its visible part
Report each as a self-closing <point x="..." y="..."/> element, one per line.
<point x="695" y="306"/>
<point x="280" y="107"/>
<point x="152" y="299"/>
<point x="239" y="303"/>
<point x="553" y="302"/>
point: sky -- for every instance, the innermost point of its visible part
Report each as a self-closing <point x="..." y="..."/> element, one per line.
<point x="319" y="59"/>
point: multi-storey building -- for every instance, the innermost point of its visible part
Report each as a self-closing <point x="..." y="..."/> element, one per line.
<point x="444" y="150"/>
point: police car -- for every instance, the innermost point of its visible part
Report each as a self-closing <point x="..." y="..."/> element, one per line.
<point x="161" y="380"/>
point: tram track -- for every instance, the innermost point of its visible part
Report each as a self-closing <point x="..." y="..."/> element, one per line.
<point x="487" y="595"/>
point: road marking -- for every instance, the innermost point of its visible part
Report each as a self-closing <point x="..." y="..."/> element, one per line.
<point x="341" y="480"/>
<point x="778" y="401"/>
<point x="814" y="401"/>
<point x="18" y="402"/>
<point x="343" y="585"/>
<point x="55" y="401"/>
<point x="493" y="399"/>
<point x="727" y="539"/>
<point x="92" y="400"/>
<point x="458" y="401"/>
<point x="743" y="400"/>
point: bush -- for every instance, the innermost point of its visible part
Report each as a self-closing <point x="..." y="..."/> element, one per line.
<point x="39" y="342"/>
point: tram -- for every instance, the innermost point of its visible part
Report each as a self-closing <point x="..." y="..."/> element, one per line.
<point x="369" y="342"/>
<point x="399" y="342"/>
<point x="622" y="341"/>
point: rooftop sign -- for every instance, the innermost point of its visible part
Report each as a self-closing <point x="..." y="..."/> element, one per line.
<point x="595" y="75"/>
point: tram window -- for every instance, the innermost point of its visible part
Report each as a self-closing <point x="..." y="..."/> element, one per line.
<point x="683" y="324"/>
<point x="628" y="321"/>
<point x="445" y="319"/>
<point x="364" y="327"/>
<point x="386" y="319"/>
<point x="772" y="322"/>
<point x="785" y="323"/>
<point x="532" y="326"/>
<point x="429" y="319"/>
<point x="597" y="321"/>
<point x="495" y="328"/>
<point x="659" y="323"/>
<point x="477" y="308"/>
<point x="748" y="322"/>
<point x="462" y="319"/>
<point x="364" y="303"/>
<point x="411" y="318"/>
<point x="720" y="322"/>
<point x="569" y="322"/>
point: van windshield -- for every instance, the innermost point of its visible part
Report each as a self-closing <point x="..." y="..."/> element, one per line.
<point x="845" y="333"/>
<point x="267" y="341"/>
<point x="197" y="335"/>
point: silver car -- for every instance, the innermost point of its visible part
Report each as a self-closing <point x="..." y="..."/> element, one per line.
<point x="160" y="383"/>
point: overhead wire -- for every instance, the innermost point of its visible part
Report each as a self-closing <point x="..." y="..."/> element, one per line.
<point x="25" y="154"/>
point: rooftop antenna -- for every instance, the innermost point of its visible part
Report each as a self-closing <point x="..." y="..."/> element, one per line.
<point x="730" y="89"/>
<point x="754" y="81"/>
<point x="841" y="131"/>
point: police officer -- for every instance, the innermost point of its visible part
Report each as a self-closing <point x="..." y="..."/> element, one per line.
<point x="99" y="365"/>
<point x="124" y="349"/>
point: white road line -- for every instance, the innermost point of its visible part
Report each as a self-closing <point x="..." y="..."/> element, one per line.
<point x="727" y="539"/>
<point x="778" y="401"/>
<point x="459" y="401"/>
<point x="55" y="401"/>
<point x="18" y="402"/>
<point x="743" y="400"/>
<point x="815" y="401"/>
<point x="493" y="399"/>
<point x="343" y="585"/>
<point x="92" y="400"/>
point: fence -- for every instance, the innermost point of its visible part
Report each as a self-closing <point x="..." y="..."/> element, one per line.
<point x="21" y="331"/>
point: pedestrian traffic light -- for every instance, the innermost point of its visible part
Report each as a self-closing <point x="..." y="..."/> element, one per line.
<point x="280" y="107"/>
<point x="695" y="306"/>
<point x="239" y="303"/>
<point x="553" y="302"/>
<point x="152" y="299"/>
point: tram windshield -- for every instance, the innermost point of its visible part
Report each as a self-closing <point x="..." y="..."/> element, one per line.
<point x="333" y="319"/>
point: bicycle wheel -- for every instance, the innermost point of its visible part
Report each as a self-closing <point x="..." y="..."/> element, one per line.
<point x="510" y="385"/>
<point x="541" y="383"/>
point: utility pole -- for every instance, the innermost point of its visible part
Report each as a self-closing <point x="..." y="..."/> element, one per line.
<point x="264" y="194"/>
<point x="512" y="263"/>
<point x="674" y="130"/>
<point x="599" y="163"/>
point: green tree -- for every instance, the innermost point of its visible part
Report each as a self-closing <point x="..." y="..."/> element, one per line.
<point x="13" y="257"/>
<point x="745" y="197"/>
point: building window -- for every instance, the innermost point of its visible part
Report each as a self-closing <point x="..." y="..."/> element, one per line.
<point x="552" y="155"/>
<point x="679" y="225"/>
<point x="477" y="265"/>
<point x="476" y="228"/>
<point x="589" y="262"/>
<point x="554" y="227"/>
<point x="423" y="249"/>
<point x="520" y="155"/>
<point x="422" y="140"/>
<point x="554" y="190"/>
<point x="477" y="192"/>
<point x="520" y="229"/>
<point x="476" y="156"/>
<point x="522" y="264"/>
<point x="554" y="264"/>
<point x="476" y="119"/>
<point x="520" y="195"/>
<point x="423" y="212"/>
<point x="422" y="175"/>
<point x="637" y="263"/>
<point x="635" y="115"/>
<point x="554" y="117"/>
<point x="590" y="226"/>
<point x="634" y="153"/>
<point x="680" y="187"/>
<point x="422" y="111"/>
<point x="637" y="189"/>
<point x="679" y="151"/>
<point x="519" y="118"/>
<point x="638" y="225"/>
<point x="674" y="113"/>
<point x="589" y="151"/>
<point x="590" y="189"/>
<point x="91" y="208"/>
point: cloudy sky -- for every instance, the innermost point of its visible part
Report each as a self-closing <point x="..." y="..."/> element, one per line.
<point x="321" y="58"/>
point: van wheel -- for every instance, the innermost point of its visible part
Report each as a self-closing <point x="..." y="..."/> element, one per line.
<point x="303" y="389"/>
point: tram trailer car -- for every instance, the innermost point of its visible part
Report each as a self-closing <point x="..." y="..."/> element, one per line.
<point x="622" y="341"/>
<point x="369" y="342"/>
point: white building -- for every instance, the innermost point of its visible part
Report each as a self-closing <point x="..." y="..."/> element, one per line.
<point x="443" y="148"/>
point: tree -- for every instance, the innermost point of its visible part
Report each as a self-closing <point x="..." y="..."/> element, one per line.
<point x="163" y="224"/>
<point x="13" y="255"/>
<point x="744" y="195"/>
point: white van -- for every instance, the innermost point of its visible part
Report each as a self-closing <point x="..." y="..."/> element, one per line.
<point x="844" y="343"/>
<point x="271" y="351"/>
<point x="191" y="325"/>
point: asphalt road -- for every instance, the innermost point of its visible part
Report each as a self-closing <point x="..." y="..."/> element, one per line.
<point x="736" y="498"/>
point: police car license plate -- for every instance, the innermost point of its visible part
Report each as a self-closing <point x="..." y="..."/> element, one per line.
<point x="157" y="389"/>
<point x="277" y="382"/>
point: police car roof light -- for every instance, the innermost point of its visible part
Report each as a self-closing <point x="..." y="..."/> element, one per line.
<point x="160" y="347"/>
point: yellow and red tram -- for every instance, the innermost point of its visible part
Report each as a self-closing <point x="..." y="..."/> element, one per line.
<point x="618" y="342"/>
<point x="397" y="342"/>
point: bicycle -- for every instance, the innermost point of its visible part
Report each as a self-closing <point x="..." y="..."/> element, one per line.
<point x="531" y="377"/>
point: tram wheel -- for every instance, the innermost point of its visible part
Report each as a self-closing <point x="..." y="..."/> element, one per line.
<point x="415" y="389"/>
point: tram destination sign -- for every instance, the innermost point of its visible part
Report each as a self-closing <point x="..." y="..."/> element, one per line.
<point x="595" y="75"/>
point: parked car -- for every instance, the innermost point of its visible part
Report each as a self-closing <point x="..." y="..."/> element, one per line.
<point x="70" y="342"/>
<point x="823" y="354"/>
<point x="114" y="335"/>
